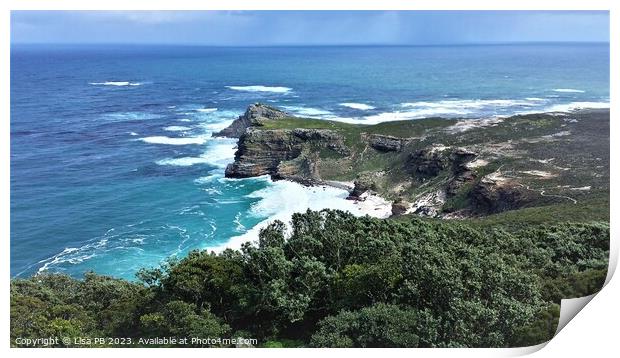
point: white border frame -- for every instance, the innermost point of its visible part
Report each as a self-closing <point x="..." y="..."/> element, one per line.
<point x="592" y="332"/>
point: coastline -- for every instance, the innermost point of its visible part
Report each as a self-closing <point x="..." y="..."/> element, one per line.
<point x="371" y="203"/>
<point x="368" y="203"/>
<point x="333" y="195"/>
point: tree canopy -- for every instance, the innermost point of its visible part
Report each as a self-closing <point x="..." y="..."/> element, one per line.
<point x="336" y="280"/>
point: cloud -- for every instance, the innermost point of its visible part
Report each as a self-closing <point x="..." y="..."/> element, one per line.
<point x="306" y="27"/>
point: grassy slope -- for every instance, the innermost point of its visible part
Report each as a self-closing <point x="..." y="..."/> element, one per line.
<point x="352" y="132"/>
<point x="594" y="210"/>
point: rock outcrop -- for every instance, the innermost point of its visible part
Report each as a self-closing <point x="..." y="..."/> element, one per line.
<point x="427" y="162"/>
<point x="451" y="164"/>
<point x="283" y="154"/>
<point x="386" y="143"/>
<point x="400" y="207"/>
<point x="461" y="172"/>
<point x="365" y="182"/>
<point x="429" y="204"/>
<point x="253" y="116"/>
<point x="495" y="194"/>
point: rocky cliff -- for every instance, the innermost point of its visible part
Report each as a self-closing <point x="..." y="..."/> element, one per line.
<point x="386" y="143"/>
<point x="254" y="115"/>
<point x="284" y="153"/>
<point x="433" y="167"/>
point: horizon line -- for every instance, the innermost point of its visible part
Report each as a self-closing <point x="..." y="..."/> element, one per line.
<point x="499" y="43"/>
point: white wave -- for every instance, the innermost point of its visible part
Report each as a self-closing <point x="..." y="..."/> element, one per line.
<point x="449" y="105"/>
<point x="208" y="178"/>
<point x="116" y="83"/>
<point x="212" y="191"/>
<point x="445" y="108"/>
<point x="309" y="112"/>
<point x="213" y="120"/>
<point x="183" y="161"/>
<point x="568" y="90"/>
<point x="241" y="182"/>
<point x="206" y="110"/>
<point x="573" y="106"/>
<point x="185" y="108"/>
<point x="360" y="106"/>
<point x="73" y="255"/>
<point x="175" y="141"/>
<point x="129" y="116"/>
<point x="239" y="227"/>
<point x="280" y="199"/>
<point x="219" y="153"/>
<point x="274" y="89"/>
<point x="176" y="128"/>
<point x="536" y="99"/>
<point x="211" y="127"/>
<point x="185" y="120"/>
<point x="133" y="133"/>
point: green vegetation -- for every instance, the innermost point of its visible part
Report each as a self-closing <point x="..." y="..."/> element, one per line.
<point x="339" y="281"/>
<point x="596" y="209"/>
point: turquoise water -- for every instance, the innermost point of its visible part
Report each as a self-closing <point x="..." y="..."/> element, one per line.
<point x="113" y="167"/>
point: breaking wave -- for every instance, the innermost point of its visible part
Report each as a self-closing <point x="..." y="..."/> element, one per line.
<point x="174" y="141"/>
<point x="274" y="89"/>
<point x="568" y="90"/>
<point x="360" y="106"/>
<point x="116" y="83"/>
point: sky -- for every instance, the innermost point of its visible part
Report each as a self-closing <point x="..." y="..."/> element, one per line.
<point x="281" y="28"/>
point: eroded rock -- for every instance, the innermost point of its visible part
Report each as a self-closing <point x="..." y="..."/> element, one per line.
<point x="400" y="207"/>
<point x="253" y="116"/>
<point x="461" y="171"/>
<point x="364" y="182"/>
<point x="495" y="194"/>
<point x="427" y="162"/>
<point x="386" y="143"/>
<point x="283" y="154"/>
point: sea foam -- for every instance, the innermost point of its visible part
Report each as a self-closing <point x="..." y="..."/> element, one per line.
<point x="274" y="89"/>
<point x="281" y="199"/>
<point x="176" y="128"/>
<point x="116" y="83"/>
<point x="446" y="108"/>
<point x="129" y="116"/>
<point x="73" y="255"/>
<point x="174" y="141"/>
<point x="219" y="153"/>
<point x="573" y="106"/>
<point x="360" y="106"/>
<point x="568" y="90"/>
<point x="309" y="112"/>
<point x="183" y="161"/>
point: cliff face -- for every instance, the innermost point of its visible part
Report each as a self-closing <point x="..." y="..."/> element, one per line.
<point x="386" y="143"/>
<point x="284" y="153"/>
<point x="254" y="115"/>
<point x="295" y="154"/>
<point x="434" y="167"/>
<point x="494" y="195"/>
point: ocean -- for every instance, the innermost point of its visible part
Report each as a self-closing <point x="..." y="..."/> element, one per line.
<point x="113" y="167"/>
